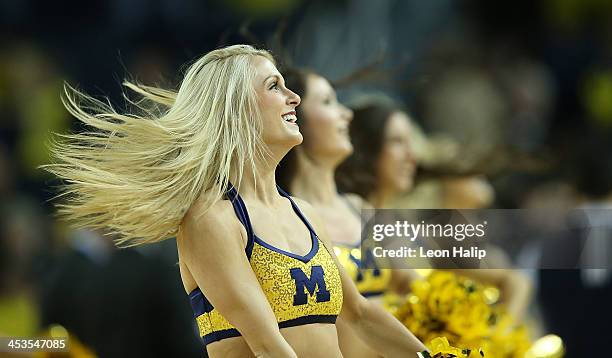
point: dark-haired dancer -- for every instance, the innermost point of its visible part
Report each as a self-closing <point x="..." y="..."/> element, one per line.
<point x="308" y="173"/>
<point x="382" y="168"/>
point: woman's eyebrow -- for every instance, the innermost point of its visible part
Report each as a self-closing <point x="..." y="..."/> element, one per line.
<point x="328" y="93"/>
<point x="274" y="75"/>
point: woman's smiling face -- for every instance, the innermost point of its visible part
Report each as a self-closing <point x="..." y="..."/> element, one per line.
<point x="277" y="106"/>
<point x="326" y="126"/>
<point x="396" y="163"/>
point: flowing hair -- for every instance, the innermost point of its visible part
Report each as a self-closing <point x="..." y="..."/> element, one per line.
<point x="136" y="175"/>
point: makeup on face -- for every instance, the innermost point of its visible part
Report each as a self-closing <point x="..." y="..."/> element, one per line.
<point x="328" y="120"/>
<point x="397" y="164"/>
<point x="277" y="104"/>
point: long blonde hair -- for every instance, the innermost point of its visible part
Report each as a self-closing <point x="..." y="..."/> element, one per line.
<point x="136" y="175"/>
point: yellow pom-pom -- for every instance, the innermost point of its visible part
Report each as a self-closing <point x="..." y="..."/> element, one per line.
<point x="453" y="311"/>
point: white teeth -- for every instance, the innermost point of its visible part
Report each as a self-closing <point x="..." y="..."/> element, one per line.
<point x="290" y="118"/>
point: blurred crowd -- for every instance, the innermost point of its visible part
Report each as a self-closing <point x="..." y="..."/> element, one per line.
<point x="510" y="105"/>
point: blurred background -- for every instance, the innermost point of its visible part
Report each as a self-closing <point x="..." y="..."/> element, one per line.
<point x="515" y="98"/>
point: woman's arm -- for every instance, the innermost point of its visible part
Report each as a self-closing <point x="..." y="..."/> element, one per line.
<point x="212" y="247"/>
<point x="402" y="279"/>
<point x="375" y="326"/>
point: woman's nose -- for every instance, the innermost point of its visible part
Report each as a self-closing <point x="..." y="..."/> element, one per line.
<point x="293" y="99"/>
<point x="410" y="156"/>
<point x="348" y="113"/>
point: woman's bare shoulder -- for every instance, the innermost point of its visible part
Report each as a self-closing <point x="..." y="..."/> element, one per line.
<point x="208" y="237"/>
<point x="199" y="214"/>
<point x="219" y="222"/>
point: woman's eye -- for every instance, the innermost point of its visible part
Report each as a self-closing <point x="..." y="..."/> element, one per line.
<point x="274" y="86"/>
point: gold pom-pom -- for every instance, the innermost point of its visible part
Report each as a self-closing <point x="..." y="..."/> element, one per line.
<point x="445" y="307"/>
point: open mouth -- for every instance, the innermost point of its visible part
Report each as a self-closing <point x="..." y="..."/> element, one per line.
<point x="290" y="117"/>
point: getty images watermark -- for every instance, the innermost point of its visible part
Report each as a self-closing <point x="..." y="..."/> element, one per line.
<point x="557" y="239"/>
<point x="409" y="231"/>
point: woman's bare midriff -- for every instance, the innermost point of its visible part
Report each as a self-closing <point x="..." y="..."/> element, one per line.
<point x="308" y="341"/>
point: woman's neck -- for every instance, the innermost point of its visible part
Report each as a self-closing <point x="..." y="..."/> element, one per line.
<point x="260" y="185"/>
<point x="381" y="199"/>
<point x="315" y="182"/>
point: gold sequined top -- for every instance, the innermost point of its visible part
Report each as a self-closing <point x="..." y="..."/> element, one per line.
<point x="371" y="281"/>
<point x="300" y="289"/>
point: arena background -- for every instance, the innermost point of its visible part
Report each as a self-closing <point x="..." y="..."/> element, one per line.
<point x="521" y="89"/>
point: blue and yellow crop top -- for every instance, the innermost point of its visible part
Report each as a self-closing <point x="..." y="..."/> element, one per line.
<point x="372" y="281"/>
<point x="300" y="289"/>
